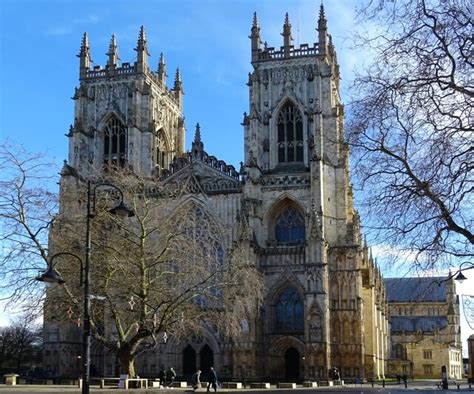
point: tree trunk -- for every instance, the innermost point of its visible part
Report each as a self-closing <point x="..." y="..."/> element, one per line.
<point x="126" y="359"/>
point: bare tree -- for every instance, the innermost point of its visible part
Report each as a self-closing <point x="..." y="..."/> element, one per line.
<point x="171" y="268"/>
<point x="411" y="126"/>
<point x="20" y="342"/>
<point x="28" y="204"/>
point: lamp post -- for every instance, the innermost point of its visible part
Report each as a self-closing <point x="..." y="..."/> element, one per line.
<point x="52" y="276"/>
<point x="459" y="276"/>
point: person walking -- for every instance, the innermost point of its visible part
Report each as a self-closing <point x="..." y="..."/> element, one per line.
<point x="171" y="376"/>
<point x="162" y="376"/>
<point x="196" y="379"/>
<point x="212" y="380"/>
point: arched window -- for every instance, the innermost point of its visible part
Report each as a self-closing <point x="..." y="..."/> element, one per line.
<point x="290" y="134"/>
<point x="115" y="151"/>
<point x="161" y="151"/>
<point x="289" y="227"/>
<point x="289" y="311"/>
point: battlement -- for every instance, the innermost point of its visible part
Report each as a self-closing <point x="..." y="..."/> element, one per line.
<point x="322" y="47"/>
<point x="270" y="53"/>
<point x="139" y="67"/>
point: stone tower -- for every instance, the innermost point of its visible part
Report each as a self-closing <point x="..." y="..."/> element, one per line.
<point x="125" y="114"/>
<point x="306" y="235"/>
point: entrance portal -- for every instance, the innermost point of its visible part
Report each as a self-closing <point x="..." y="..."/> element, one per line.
<point x="189" y="360"/>
<point x="207" y="360"/>
<point x="292" y="363"/>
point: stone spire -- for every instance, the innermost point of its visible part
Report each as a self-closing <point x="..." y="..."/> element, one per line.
<point x="255" y="37"/>
<point x="197" y="145"/>
<point x="142" y="51"/>
<point x="162" y="69"/>
<point x="287" y="36"/>
<point x="113" y="56"/>
<point x="322" y="30"/>
<point x="178" y="87"/>
<point x="84" y="57"/>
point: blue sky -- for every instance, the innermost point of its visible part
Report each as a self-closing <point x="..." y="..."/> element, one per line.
<point x="206" y="39"/>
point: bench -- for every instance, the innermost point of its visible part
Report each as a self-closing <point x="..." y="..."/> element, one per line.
<point x="260" y="385"/>
<point x="328" y="383"/>
<point x="179" y="384"/>
<point x="104" y="381"/>
<point x="286" y="385"/>
<point x="231" y="385"/>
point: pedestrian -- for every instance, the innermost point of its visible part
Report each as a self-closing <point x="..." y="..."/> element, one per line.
<point x="171" y="376"/>
<point x="212" y="380"/>
<point x="196" y="379"/>
<point x="162" y="376"/>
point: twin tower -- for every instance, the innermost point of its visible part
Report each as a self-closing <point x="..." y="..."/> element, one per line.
<point x="325" y="304"/>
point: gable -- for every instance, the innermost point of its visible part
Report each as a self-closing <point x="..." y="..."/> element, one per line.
<point x="198" y="177"/>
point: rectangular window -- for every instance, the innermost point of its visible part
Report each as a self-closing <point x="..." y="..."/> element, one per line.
<point x="428" y="369"/>
<point x="427" y="354"/>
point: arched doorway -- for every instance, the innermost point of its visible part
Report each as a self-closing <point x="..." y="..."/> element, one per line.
<point x="189" y="360"/>
<point x="292" y="363"/>
<point x="207" y="360"/>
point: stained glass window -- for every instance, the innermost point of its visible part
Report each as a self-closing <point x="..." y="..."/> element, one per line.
<point x="290" y="134"/>
<point x="289" y="311"/>
<point x="115" y="152"/>
<point x="290" y="226"/>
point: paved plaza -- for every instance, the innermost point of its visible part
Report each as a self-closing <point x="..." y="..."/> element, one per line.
<point x="418" y="386"/>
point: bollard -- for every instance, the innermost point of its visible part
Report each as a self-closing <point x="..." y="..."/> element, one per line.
<point x="406" y="383"/>
<point x="372" y="381"/>
<point x="383" y="382"/>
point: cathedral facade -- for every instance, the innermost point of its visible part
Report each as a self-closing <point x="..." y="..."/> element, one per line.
<point x="325" y="304"/>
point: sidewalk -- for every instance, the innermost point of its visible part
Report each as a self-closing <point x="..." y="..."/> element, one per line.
<point x="421" y="386"/>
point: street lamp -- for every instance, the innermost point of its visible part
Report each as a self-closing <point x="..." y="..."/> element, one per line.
<point x="52" y="276"/>
<point x="460" y="277"/>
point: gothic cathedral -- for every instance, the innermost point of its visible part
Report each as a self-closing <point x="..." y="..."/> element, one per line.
<point x="325" y="304"/>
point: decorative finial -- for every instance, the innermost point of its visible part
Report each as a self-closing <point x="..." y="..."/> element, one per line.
<point x="177" y="80"/>
<point x="286" y="35"/>
<point x="84" y="44"/>
<point x="255" y="37"/>
<point x="142" y="35"/>
<point x="322" y="22"/>
<point x="255" y="21"/>
<point x="84" y="56"/>
<point x="162" y="69"/>
<point x="112" y="53"/>
<point x="142" y="51"/>
<point x="197" y="133"/>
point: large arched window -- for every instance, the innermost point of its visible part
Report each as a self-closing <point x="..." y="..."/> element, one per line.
<point x="290" y="134"/>
<point x="289" y="226"/>
<point x="289" y="311"/>
<point x="115" y="151"/>
<point x="161" y="159"/>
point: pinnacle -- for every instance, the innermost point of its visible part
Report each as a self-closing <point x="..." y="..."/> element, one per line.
<point x="142" y="35"/>
<point x="255" y="20"/>
<point x="197" y="133"/>
<point x="85" y="40"/>
<point x="84" y="51"/>
<point x="287" y="21"/>
<point x="177" y="77"/>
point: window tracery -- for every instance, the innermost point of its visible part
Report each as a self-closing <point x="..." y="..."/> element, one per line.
<point x="290" y="226"/>
<point x="290" y="134"/>
<point x="160" y="157"/>
<point x="289" y="311"/>
<point x="115" y="151"/>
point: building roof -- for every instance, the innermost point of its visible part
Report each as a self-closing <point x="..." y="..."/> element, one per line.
<point x="415" y="323"/>
<point x="429" y="289"/>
